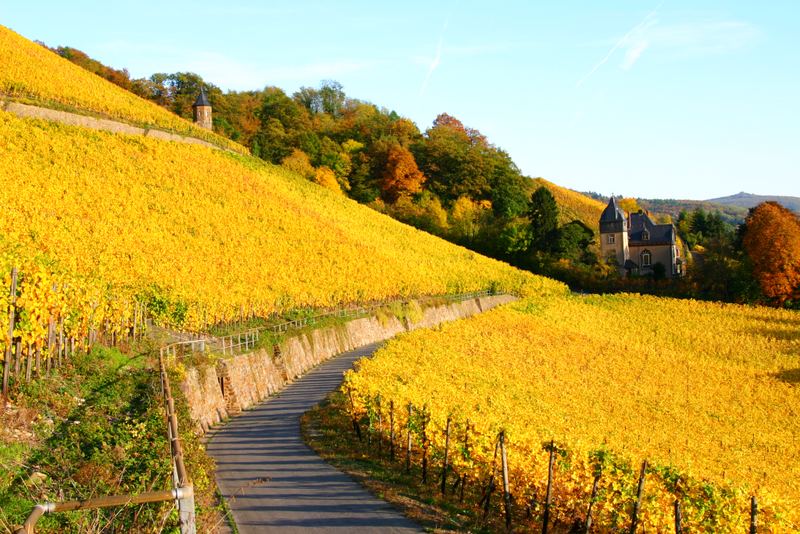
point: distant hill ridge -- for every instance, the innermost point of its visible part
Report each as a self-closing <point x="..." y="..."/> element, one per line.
<point x="749" y="200"/>
<point x="733" y="208"/>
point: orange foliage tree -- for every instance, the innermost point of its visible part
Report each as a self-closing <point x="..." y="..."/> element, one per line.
<point x="772" y="241"/>
<point x="299" y="162"/>
<point x="327" y="178"/>
<point x="401" y="177"/>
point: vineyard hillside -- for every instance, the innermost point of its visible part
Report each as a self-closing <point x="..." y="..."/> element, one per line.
<point x="706" y="392"/>
<point x="97" y="220"/>
<point x="573" y="205"/>
<point x="31" y="73"/>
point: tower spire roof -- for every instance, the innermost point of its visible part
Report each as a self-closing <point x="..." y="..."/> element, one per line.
<point x="202" y="100"/>
<point x="612" y="212"/>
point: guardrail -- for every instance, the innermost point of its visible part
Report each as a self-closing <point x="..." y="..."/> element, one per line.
<point x="182" y="492"/>
<point x="363" y="310"/>
<point x="247" y="339"/>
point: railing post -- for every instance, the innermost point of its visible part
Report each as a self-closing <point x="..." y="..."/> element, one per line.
<point x="186" y="509"/>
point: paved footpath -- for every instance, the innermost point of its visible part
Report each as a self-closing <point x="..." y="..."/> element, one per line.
<point x="273" y="482"/>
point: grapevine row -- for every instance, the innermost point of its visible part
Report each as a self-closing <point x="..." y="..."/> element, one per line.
<point x="704" y="391"/>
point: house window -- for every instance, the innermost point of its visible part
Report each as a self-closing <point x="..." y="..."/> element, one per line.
<point x="611" y="239"/>
<point x="647" y="259"/>
<point x="645" y="235"/>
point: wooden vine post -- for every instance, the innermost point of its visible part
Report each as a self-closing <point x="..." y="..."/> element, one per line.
<point x="60" y="341"/>
<point x="753" y="515"/>
<point x="548" y="495"/>
<point x="424" y="445"/>
<point x="446" y="452"/>
<point x="29" y="364"/>
<point x="506" y="492"/>
<point x="490" y="485"/>
<point x="592" y="498"/>
<point x="466" y="455"/>
<point x="17" y="357"/>
<point x="11" y="319"/>
<point x="51" y="341"/>
<point x="408" y="439"/>
<point x="678" y="518"/>
<point x="380" y="426"/>
<point x="638" y="504"/>
<point x="356" y="426"/>
<point x="391" y="430"/>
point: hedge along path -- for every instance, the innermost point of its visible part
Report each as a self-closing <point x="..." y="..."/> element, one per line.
<point x="273" y="482"/>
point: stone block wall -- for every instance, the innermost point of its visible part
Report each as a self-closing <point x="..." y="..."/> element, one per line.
<point x="238" y="382"/>
<point x="207" y="405"/>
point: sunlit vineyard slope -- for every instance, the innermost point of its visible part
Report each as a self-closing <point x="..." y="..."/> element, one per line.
<point x="573" y="205"/>
<point x="32" y="72"/>
<point x="95" y="220"/>
<point x="705" y="392"/>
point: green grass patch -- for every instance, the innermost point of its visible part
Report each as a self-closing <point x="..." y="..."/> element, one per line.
<point x="99" y="429"/>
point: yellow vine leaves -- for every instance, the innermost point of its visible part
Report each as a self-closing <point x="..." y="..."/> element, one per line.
<point x="706" y="392"/>
<point x="32" y="72"/>
<point x="109" y="218"/>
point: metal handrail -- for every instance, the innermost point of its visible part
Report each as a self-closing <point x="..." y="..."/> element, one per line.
<point x="182" y="492"/>
<point x="102" y="502"/>
<point x="247" y="339"/>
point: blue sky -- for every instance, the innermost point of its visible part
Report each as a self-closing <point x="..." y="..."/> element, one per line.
<point x="672" y="99"/>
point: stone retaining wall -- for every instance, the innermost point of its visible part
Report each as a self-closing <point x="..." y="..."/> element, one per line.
<point x="236" y="383"/>
<point x="74" y="119"/>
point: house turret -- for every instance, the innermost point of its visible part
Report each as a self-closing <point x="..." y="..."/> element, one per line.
<point x="202" y="110"/>
<point x="614" y="234"/>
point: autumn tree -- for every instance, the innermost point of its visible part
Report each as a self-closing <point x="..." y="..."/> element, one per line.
<point x="466" y="219"/>
<point x="772" y="241"/>
<point x="121" y="78"/>
<point x="425" y="213"/>
<point x="401" y="177"/>
<point x="456" y="160"/>
<point x="630" y="205"/>
<point x="327" y="178"/>
<point x="573" y="241"/>
<point x="298" y="162"/>
<point x="543" y="214"/>
<point x="276" y="105"/>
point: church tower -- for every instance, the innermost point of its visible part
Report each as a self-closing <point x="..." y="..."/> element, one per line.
<point x="614" y="234"/>
<point x="202" y="110"/>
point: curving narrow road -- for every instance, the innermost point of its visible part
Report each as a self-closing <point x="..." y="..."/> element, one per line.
<point x="273" y="482"/>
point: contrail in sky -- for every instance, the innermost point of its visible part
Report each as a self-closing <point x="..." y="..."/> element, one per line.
<point x="437" y="59"/>
<point x="644" y="22"/>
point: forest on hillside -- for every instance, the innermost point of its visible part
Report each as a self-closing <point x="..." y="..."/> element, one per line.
<point x="451" y="181"/>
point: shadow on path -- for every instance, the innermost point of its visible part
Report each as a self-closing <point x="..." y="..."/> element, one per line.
<point x="274" y="482"/>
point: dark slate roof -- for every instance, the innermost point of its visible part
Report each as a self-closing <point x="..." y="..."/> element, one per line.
<point x="660" y="234"/>
<point x="612" y="212"/>
<point x="202" y="100"/>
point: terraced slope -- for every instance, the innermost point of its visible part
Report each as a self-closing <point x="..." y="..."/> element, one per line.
<point x="36" y="75"/>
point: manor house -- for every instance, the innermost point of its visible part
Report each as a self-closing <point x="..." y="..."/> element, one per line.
<point x="637" y="244"/>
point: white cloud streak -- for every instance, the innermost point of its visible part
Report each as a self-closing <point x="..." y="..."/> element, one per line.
<point x="677" y="41"/>
<point x="648" y="20"/>
<point x="437" y="59"/>
<point x="434" y="64"/>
